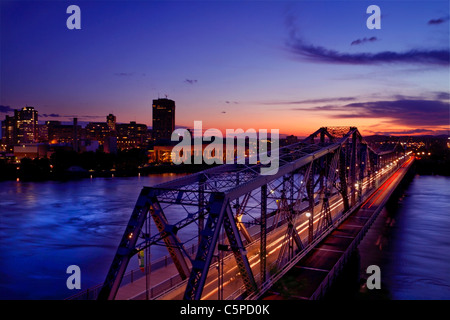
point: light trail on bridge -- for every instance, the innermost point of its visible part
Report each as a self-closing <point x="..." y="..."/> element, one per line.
<point x="303" y="227"/>
<point x="326" y="174"/>
<point x="277" y="243"/>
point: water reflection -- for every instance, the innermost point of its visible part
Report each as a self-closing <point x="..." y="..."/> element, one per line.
<point x="410" y="242"/>
<point x="47" y="226"/>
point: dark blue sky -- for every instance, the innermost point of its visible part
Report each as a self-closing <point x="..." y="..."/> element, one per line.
<point x="293" y="66"/>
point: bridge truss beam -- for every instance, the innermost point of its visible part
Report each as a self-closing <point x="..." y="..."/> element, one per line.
<point x="330" y="161"/>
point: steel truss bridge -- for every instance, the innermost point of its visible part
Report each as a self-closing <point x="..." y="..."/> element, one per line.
<point x="260" y="224"/>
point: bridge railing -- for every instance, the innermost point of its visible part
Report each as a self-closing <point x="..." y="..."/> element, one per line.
<point x="160" y="288"/>
<point x="136" y="274"/>
<point x="132" y="276"/>
<point x="275" y="276"/>
<point x="172" y="282"/>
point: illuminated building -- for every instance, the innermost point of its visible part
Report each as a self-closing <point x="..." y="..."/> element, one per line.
<point x="111" y="121"/>
<point x="63" y="134"/>
<point x="131" y="135"/>
<point x="163" y="119"/>
<point x="26" y="129"/>
<point x="8" y="133"/>
<point x="42" y="133"/>
<point x="97" y="131"/>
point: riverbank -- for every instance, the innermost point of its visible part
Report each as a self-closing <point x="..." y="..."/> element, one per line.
<point x="351" y="283"/>
<point x="408" y="242"/>
<point x="36" y="173"/>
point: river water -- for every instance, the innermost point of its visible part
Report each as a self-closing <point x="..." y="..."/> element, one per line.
<point x="47" y="226"/>
<point x="410" y="242"/>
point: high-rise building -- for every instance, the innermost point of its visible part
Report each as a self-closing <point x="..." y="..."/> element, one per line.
<point x="26" y="126"/>
<point x="8" y="132"/>
<point x="111" y="121"/>
<point x="163" y="119"/>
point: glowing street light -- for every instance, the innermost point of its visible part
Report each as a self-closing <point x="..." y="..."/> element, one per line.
<point x="310" y="226"/>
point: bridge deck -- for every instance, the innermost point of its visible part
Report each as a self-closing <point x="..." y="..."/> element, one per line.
<point x="312" y="275"/>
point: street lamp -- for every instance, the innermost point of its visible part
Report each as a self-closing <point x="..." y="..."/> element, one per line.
<point x="310" y="226"/>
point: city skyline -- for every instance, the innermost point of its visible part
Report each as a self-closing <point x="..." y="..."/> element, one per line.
<point x="295" y="66"/>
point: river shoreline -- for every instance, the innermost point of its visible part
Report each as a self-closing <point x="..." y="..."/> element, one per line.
<point x="78" y="173"/>
<point x="385" y="245"/>
<point x="36" y="172"/>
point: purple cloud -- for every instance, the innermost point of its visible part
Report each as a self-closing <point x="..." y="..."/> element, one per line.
<point x="191" y="81"/>
<point x="404" y="132"/>
<point x="123" y="74"/>
<point x="438" y="21"/>
<point x="321" y="54"/>
<point x="51" y="115"/>
<point x="313" y="101"/>
<point x="364" y="40"/>
<point x="5" y="109"/>
<point x="407" y="112"/>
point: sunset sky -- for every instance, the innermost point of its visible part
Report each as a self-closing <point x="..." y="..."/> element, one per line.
<point x="293" y="66"/>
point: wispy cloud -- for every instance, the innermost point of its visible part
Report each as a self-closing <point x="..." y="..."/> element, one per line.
<point x="124" y="74"/>
<point x="5" y="109"/>
<point x="440" y="95"/>
<point x="439" y="20"/>
<point x="405" y="112"/>
<point x="315" y="53"/>
<point x="311" y="101"/>
<point x="364" y="40"/>
<point x="83" y="116"/>
<point x="320" y="54"/>
<point x="405" y="132"/>
<point x="129" y="74"/>
<point x="50" y="115"/>
<point x="190" y="81"/>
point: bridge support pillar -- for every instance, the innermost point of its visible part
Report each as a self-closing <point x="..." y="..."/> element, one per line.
<point x="263" y="233"/>
<point x="310" y="192"/>
<point x="353" y="170"/>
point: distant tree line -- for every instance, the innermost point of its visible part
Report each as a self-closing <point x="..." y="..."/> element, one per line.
<point x="133" y="161"/>
<point x="66" y="164"/>
<point x="437" y="163"/>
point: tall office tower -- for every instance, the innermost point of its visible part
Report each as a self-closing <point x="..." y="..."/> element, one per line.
<point x="8" y="132"/>
<point x="26" y="125"/>
<point x="111" y="121"/>
<point x="163" y="119"/>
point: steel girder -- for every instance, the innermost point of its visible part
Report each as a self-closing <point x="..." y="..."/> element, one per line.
<point x="168" y="234"/>
<point x="210" y="194"/>
<point x="219" y="213"/>
<point x="127" y="247"/>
